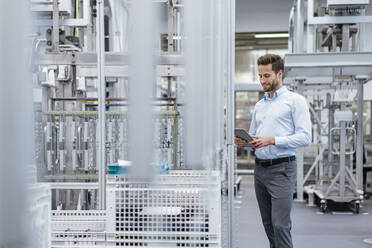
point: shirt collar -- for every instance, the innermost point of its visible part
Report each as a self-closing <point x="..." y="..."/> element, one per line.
<point x="277" y="93"/>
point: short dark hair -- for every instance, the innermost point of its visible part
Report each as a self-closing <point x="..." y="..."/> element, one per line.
<point x="275" y="60"/>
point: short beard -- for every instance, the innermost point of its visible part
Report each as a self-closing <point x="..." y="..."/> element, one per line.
<point x="274" y="85"/>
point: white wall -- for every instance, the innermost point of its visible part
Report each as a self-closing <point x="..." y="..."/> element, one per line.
<point x="262" y="15"/>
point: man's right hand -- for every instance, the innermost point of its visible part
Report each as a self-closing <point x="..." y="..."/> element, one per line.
<point x="240" y="142"/>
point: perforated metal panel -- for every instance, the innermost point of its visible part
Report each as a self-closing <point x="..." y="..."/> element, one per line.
<point x="78" y="228"/>
<point x="181" y="209"/>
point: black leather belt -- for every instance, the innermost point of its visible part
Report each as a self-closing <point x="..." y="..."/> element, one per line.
<point x="268" y="162"/>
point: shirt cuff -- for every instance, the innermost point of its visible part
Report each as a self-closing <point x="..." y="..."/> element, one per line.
<point x="248" y="148"/>
<point x="280" y="141"/>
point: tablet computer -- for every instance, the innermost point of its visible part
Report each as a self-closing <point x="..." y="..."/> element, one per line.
<point x="242" y="134"/>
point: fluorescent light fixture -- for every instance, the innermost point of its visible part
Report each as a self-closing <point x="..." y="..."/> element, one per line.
<point x="271" y="35"/>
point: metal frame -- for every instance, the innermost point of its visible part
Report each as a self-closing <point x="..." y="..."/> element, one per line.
<point x="301" y="71"/>
<point x="327" y="60"/>
<point x="101" y="105"/>
<point x="111" y="59"/>
<point x="312" y="21"/>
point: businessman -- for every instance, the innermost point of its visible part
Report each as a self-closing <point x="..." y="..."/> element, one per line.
<point x="280" y="124"/>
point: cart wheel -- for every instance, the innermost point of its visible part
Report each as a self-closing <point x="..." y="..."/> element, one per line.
<point x="323" y="206"/>
<point x="357" y="207"/>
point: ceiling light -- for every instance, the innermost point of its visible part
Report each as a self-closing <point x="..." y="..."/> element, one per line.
<point x="271" y="35"/>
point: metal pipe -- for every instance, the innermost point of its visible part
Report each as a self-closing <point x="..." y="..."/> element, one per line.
<point x="88" y="32"/>
<point x="291" y="29"/>
<point x="170" y="29"/>
<point x="299" y="28"/>
<point x="178" y="30"/>
<point x="359" y="151"/>
<point x="330" y="126"/>
<point x="209" y="118"/>
<point x="220" y="79"/>
<point x="345" y="37"/>
<point x="231" y="118"/>
<point x="310" y="27"/>
<point x="342" y="158"/>
<point x="107" y="100"/>
<point x="55" y="32"/>
<point x="362" y="34"/>
<point x="175" y="142"/>
<point x="101" y="104"/>
<point x="300" y="174"/>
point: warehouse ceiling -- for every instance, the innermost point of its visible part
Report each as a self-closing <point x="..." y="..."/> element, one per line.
<point x="258" y="17"/>
<point x="248" y="41"/>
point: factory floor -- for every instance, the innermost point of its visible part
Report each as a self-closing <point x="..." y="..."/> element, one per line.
<point x="339" y="228"/>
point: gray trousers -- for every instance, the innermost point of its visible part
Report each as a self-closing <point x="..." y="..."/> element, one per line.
<point x="274" y="187"/>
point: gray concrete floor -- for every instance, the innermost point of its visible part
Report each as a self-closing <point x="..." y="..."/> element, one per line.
<point x="310" y="227"/>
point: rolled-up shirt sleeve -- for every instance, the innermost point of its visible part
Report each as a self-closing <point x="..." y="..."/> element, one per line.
<point x="302" y="127"/>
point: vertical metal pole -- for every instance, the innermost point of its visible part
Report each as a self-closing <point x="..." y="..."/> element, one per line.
<point x="220" y="76"/>
<point x="55" y="33"/>
<point x="294" y="33"/>
<point x="210" y="81"/>
<point x="362" y="36"/>
<point x="178" y="30"/>
<point x="170" y="29"/>
<point x="176" y="121"/>
<point x="310" y="27"/>
<point x="300" y="174"/>
<point x="88" y="32"/>
<point x="299" y="28"/>
<point x="345" y="37"/>
<point x="342" y="158"/>
<point x="175" y="140"/>
<point x="320" y="150"/>
<point x="231" y="119"/>
<point x="300" y="156"/>
<point x="359" y="151"/>
<point x="101" y="104"/>
<point x="330" y="126"/>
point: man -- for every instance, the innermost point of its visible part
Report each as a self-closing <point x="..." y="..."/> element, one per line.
<point x="280" y="124"/>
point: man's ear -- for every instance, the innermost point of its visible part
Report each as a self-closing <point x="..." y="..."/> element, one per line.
<point x="280" y="73"/>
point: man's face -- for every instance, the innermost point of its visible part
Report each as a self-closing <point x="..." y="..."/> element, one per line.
<point x="268" y="79"/>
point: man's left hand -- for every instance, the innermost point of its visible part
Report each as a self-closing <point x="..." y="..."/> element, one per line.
<point x="260" y="141"/>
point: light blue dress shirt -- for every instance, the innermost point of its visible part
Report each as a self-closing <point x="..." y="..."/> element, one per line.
<point x="286" y="117"/>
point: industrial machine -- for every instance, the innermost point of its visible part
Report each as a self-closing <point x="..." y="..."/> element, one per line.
<point x="331" y="71"/>
<point x="126" y="133"/>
